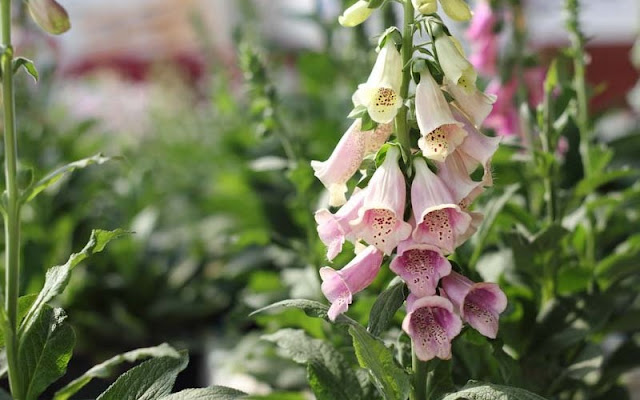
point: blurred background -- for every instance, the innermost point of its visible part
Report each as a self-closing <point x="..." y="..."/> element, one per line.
<point x="217" y="106"/>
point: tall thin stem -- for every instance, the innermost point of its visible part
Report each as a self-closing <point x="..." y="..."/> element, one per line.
<point x="12" y="218"/>
<point x="402" y="128"/>
<point x="579" y="82"/>
<point x="545" y="136"/>
<point x="419" y="378"/>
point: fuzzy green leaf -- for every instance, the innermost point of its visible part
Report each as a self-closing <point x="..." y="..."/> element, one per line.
<point x="24" y="304"/>
<point x="210" y="393"/>
<point x="385" y="307"/>
<point x="330" y="376"/>
<point x="150" y="380"/>
<point x="57" y="277"/>
<point x="54" y="176"/>
<point x="310" y="307"/>
<point x="392" y="382"/>
<point x="486" y="391"/>
<point x="109" y="367"/>
<point x="44" y="350"/>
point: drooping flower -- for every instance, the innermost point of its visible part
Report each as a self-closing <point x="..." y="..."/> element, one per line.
<point x="479" y="304"/>
<point x="439" y="220"/>
<point x="346" y="158"/>
<point x="425" y="6"/>
<point x="421" y="266"/>
<point x="334" y="229"/>
<point x="475" y="104"/>
<point x="440" y="131"/>
<point x="380" y="219"/>
<point x="381" y="93"/>
<point x="457" y="10"/>
<point x="484" y="41"/>
<point x="340" y="286"/>
<point x="356" y="14"/>
<point x="431" y="324"/>
<point x="454" y="64"/>
<point x="475" y="151"/>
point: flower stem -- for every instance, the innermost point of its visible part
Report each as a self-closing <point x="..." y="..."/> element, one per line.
<point x="12" y="216"/>
<point x="419" y="378"/>
<point x="545" y="136"/>
<point x="579" y="82"/>
<point x="402" y="128"/>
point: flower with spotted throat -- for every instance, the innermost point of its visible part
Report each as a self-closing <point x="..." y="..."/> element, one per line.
<point x="340" y="286"/>
<point x="432" y="324"/>
<point x="479" y="304"/>
<point x="346" y="158"/>
<point x="356" y="14"/>
<point x="439" y="220"/>
<point x="453" y="62"/>
<point x="441" y="132"/>
<point x="380" y="95"/>
<point x="380" y="219"/>
<point x="421" y="266"/>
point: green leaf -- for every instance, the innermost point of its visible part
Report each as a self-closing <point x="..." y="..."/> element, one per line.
<point x="439" y="379"/>
<point x="210" y="393"/>
<point x="109" y="367"/>
<point x="24" y="304"/>
<point x="491" y="213"/>
<point x="44" y="350"/>
<point x="621" y="262"/>
<point x="54" y="176"/>
<point x="28" y="66"/>
<point x="357" y="112"/>
<point x="587" y="186"/>
<point x="376" y="3"/>
<point x="551" y="80"/>
<point x="57" y="277"/>
<point x="330" y="376"/>
<point x="392" y="382"/>
<point x="310" y="307"/>
<point x="486" y="391"/>
<point x="385" y="307"/>
<point x="279" y="396"/>
<point x="148" y="381"/>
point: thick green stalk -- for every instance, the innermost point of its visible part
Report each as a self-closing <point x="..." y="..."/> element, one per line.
<point x="402" y="128"/>
<point x="580" y="83"/>
<point x="12" y="218"/>
<point x="419" y="378"/>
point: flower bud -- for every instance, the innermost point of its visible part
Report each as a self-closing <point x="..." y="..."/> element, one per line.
<point x="49" y="15"/>
<point x="454" y="64"/>
<point x="425" y="6"/>
<point x="457" y="10"/>
<point x="356" y="14"/>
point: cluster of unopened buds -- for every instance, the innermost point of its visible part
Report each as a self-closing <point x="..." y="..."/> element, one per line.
<point x="415" y="207"/>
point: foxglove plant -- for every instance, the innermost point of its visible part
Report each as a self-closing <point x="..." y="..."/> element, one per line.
<point x="437" y="203"/>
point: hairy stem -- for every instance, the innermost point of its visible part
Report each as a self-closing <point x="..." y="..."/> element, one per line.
<point x="580" y="83"/>
<point x="12" y="216"/>
<point x="419" y="378"/>
<point x="402" y="128"/>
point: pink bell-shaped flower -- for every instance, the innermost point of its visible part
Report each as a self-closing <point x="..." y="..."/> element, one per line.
<point x="439" y="220"/>
<point x="474" y="103"/>
<point x="380" y="219"/>
<point x="441" y="133"/>
<point x="432" y="324"/>
<point x="340" y="286"/>
<point x="479" y="304"/>
<point x="346" y="158"/>
<point x="421" y="266"/>
<point x="334" y="229"/>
